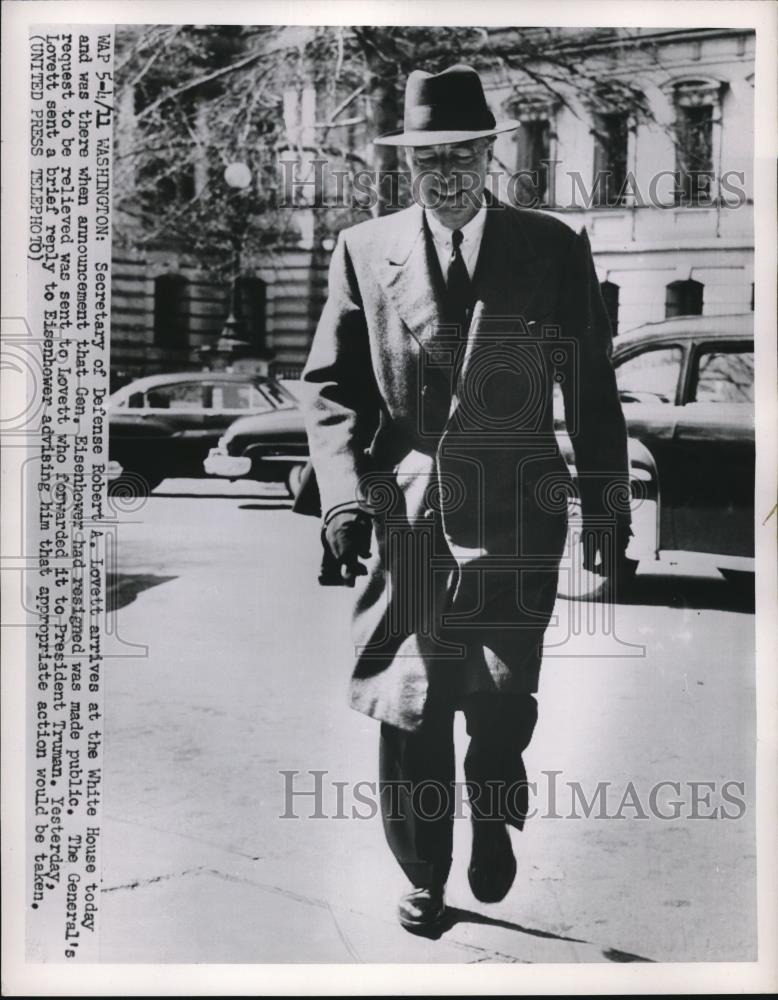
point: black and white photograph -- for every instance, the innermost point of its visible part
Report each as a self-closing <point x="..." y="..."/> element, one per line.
<point x="400" y="492"/>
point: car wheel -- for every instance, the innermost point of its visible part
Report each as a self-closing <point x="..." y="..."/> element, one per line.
<point x="294" y="480"/>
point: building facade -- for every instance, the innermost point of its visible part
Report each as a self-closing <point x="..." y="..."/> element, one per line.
<point x="648" y="143"/>
<point x="664" y="188"/>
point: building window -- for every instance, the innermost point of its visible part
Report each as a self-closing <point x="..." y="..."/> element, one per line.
<point x="251" y="301"/>
<point x="533" y="152"/>
<point x="533" y="182"/>
<point x="611" y="138"/>
<point x="697" y="140"/>
<point x="693" y="151"/>
<point x="170" y="320"/>
<point x="610" y="296"/>
<point x="683" y="298"/>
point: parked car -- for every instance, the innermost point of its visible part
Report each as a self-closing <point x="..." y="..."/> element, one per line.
<point x="276" y="449"/>
<point x="267" y="447"/>
<point x="686" y="387"/>
<point x="165" y="425"/>
<point x="687" y="392"/>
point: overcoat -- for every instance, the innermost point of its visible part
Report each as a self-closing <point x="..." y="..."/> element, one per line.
<point x="447" y="438"/>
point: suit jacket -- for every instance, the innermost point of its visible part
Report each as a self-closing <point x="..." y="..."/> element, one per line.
<point x="461" y="471"/>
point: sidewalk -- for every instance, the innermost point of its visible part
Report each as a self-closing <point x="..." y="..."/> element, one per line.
<point x="188" y="901"/>
<point x="231" y="670"/>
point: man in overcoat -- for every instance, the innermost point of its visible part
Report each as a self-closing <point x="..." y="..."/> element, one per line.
<point x="443" y="491"/>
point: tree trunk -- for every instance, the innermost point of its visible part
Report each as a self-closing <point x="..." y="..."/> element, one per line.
<point x="386" y="117"/>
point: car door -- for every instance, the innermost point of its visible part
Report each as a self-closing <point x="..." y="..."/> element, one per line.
<point x="180" y="408"/>
<point x="714" y="444"/>
<point x="650" y="378"/>
<point x="139" y="444"/>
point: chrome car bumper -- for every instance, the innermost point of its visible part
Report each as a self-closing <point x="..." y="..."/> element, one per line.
<point x="219" y="463"/>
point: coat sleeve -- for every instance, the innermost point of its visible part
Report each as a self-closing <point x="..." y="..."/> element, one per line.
<point x="593" y="414"/>
<point x="341" y="404"/>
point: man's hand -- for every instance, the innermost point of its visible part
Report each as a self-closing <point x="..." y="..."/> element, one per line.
<point x="347" y="534"/>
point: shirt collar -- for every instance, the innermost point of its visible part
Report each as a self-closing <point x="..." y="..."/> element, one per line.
<point x="471" y="231"/>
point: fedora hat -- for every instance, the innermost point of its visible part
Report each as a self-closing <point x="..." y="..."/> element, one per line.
<point x="445" y="107"/>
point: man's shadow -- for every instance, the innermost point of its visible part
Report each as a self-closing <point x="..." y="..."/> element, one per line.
<point x="123" y="588"/>
<point x="454" y="915"/>
<point x="266" y="505"/>
<point x="679" y="591"/>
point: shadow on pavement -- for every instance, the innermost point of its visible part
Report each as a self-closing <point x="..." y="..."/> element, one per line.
<point x="123" y="588"/>
<point x="206" y="488"/>
<point x="454" y="916"/>
<point x="270" y="505"/>
<point x="679" y="591"/>
<point x="175" y="495"/>
<point x="614" y="955"/>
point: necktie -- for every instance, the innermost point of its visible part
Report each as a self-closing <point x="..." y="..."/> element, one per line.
<point x="458" y="292"/>
<point x="446" y="357"/>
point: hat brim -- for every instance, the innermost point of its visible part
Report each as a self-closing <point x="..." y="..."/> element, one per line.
<point x="440" y="137"/>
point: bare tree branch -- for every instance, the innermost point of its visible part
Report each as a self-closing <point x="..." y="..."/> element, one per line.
<point x="153" y="58"/>
<point x="349" y="100"/>
<point x="207" y="78"/>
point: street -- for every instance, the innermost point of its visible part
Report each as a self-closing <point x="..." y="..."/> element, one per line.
<point x="230" y="666"/>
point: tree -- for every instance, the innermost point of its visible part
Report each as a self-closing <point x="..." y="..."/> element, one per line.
<point x="195" y="98"/>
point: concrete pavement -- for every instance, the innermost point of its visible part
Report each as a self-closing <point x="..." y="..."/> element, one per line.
<point x="244" y="677"/>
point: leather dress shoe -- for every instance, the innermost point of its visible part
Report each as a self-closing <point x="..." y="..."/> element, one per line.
<point x="421" y="909"/>
<point x="492" y="864"/>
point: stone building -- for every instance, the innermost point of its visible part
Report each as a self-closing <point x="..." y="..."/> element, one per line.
<point x="648" y="143"/>
<point x="671" y="220"/>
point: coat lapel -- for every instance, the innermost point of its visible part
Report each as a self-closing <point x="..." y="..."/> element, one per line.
<point x="411" y="275"/>
<point x="508" y="278"/>
<point x="509" y="272"/>
<point x="506" y="281"/>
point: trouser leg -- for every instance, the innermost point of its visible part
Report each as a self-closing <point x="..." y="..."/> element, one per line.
<point x="500" y="729"/>
<point x="416" y="771"/>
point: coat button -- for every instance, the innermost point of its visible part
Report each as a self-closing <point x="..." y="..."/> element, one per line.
<point x="425" y="389"/>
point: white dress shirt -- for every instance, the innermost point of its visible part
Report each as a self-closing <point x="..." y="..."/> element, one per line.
<point x="472" y="233"/>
